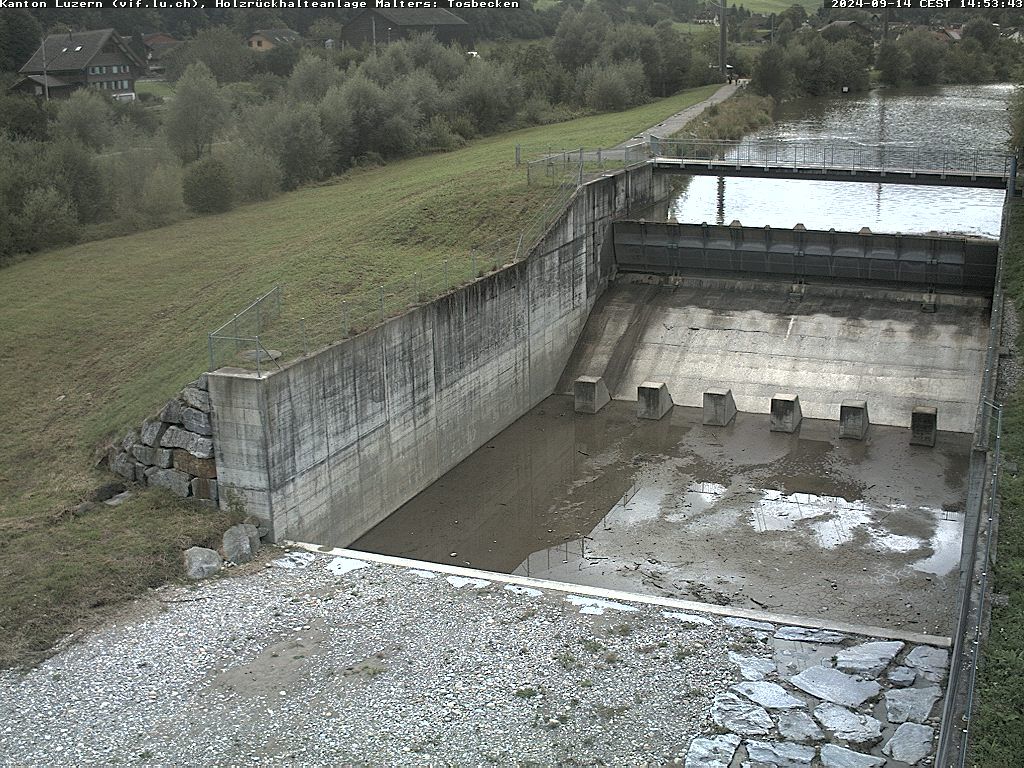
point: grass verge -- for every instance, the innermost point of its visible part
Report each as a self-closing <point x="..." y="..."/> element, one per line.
<point x="998" y="729"/>
<point x="95" y="337"/>
<point x="730" y="120"/>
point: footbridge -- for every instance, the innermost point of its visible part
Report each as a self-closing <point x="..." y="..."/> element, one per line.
<point x="824" y="161"/>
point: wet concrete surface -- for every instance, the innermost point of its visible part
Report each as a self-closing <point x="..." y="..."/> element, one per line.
<point x="805" y="524"/>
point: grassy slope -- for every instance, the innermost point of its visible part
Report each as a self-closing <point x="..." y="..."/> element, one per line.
<point x="998" y="731"/>
<point x="95" y="337"/>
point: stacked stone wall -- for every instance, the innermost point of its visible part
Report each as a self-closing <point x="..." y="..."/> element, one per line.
<point x="174" y="448"/>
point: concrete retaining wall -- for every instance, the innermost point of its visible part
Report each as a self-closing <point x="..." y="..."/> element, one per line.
<point x="331" y="445"/>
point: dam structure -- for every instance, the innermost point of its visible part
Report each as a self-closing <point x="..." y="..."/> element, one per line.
<point x="751" y="421"/>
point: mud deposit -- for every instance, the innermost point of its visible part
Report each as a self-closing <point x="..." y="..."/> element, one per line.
<point x="807" y="524"/>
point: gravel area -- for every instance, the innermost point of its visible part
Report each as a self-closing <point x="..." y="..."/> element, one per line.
<point x="380" y="665"/>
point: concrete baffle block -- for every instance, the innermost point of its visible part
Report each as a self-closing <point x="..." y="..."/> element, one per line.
<point x="653" y="400"/>
<point x="786" y="415"/>
<point x="924" y="425"/>
<point x="853" y="419"/>
<point x="719" y="407"/>
<point x="591" y="394"/>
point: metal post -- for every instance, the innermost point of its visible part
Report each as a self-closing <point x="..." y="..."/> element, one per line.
<point x="518" y="150"/>
<point x="259" y="356"/>
<point x="600" y="160"/>
<point x="529" y="167"/>
<point x="476" y="270"/>
<point x="416" y="286"/>
<point x="209" y="341"/>
<point x="382" y="310"/>
<point x="345" y="322"/>
<point x="258" y="328"/>
<point x="305" y="346"/>
<point x="447" y="284"/>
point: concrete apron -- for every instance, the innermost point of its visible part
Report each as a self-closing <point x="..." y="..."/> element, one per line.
<point x="886" y="633"/>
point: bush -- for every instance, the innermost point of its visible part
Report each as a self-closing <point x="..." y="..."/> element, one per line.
<point x="255" y="172"/>
<point x="207" y="186"/>
<point x="47" y="219"/>
<point x="162" y="201"/>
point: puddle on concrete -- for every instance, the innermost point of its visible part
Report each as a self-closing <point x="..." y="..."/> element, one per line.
<point x="802" y="524"/>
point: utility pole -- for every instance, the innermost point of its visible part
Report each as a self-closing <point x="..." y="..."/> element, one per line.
<point x="721" y="38"/>
<point x="46" y="77"/>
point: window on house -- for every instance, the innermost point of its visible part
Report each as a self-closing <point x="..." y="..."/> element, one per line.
<point x="259" y="43"/>
<point x="78" y="48"/>
<point x="63" y="50"/>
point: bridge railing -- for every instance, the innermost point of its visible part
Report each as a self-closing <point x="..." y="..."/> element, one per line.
<point x="837" y="156"/>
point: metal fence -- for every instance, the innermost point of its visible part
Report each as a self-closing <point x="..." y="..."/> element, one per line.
<point x="265" y="333"/>
<point x="554" y="166"/>
<point x="837" y="155"/>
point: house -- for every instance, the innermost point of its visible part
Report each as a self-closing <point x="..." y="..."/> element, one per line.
<point x="156" y="46"/>
<point x="378" y="26"/>
<point x="267" y="39"/>
<point x="948" y="35"/>
<point x="837" y="30"/>
<point x="96" y="58"/>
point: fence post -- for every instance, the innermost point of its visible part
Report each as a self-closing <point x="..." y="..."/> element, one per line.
<point x="238" y="344"/>
<point x="416" y="287"/>
<point x="259" y="357"/>
<point x="528" y="169"/>
<point x="600" y="160"/>
<point x="209" y="341"/>
<point x="447" y="284"/>
<point x="476" y="271"/>
<point x="345" y="319"/>
<point x="518" y="149"/>
<point x="382" y="310"/>
<point x="305" y="346"/>
<point x="258" y="328"/>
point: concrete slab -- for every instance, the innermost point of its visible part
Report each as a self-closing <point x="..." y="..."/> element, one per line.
<point x="591" y="394"/>
<point x="807" y="524"/>
<point x="831" y="346"/>
<point x="719" y="407"/>
<point x="653" y="400"/>
<point x="923" y="425"/>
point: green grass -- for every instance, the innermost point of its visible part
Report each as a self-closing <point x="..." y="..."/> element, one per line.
<point x="778" y="6"/>
<point x="998" y="730"/>
<point x="95" y="337"/>
<point x="156" y="87"/>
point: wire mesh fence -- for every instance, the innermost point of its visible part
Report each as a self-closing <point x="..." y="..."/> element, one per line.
<point x="554" y="166"/>
<point x="265" y="333"/>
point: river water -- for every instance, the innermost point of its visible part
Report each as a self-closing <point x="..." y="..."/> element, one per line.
<point x="949" y="118"/>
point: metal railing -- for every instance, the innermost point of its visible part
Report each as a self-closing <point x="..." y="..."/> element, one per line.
<point x="836" y="156"/>
<point x="263" y="333"/>
<point x="553" y="166"/>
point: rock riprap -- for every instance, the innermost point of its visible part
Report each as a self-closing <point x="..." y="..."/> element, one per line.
<point x="910" y="744"/>
<point x="868" y="658"/>
<point x="911" y="704"/>
<point x="835" y="686"/>
<point x="847" y="725"/>
<point x="833" y="756"/>
<point x="712" y="752"/>
<point x="740" y="716"/>
<point x="768" y="695"/>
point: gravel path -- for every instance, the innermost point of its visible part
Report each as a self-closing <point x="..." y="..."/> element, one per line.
<point x="381" y="665"/>
<point x="678" y="121"/>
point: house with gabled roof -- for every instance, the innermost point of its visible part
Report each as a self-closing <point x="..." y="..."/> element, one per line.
<point x="379" y="26"/>
<point x="268" y="39"/>
<point x="96" y="58"/>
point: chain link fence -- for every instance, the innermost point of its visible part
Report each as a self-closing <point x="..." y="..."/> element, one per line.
<point x="265" y="334"/>
<point x="554" y="166"/>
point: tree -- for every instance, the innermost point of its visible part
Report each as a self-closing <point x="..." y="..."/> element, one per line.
<point x="76" y="173"/>
<point x="85" y="117"/>
<point x="20" y="36"/>
<point x="312" y="78"/>
<point x="1016" y="109"/>
<point x="892" y="62"/>
<point x="293" y="135"/>
<point x="488" y="94"/>
<point x="207" y="186"/>
<point x="580" y="37"/>
<point x="772" y="76"/>
<point x="196" y="115"/>
<point x="220" y="49"/>
<point x="162" y="196"/>
<point x="47" y="219"/>
<point x="982" y="30"/>
<point x="926" y="57"/>
<point x="23" y="117"/>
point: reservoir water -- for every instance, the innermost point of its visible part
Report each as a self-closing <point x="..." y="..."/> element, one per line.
<point x="950" y="117"/>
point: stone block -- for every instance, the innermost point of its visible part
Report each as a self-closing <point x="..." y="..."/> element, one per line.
<point x="719" y="407"/>
<point x="924" y="424"/>
<point x="196" y="398"/>
<point x="785" y="413"/>
<point x="241" y="543"/>
<point x="853" y="419"/>
<point x="653" y="400"/>
<point x="196" y="421"/>
<point x="171" y="412"/>
<point x="202" y="383"/>
<point x="591" y="394"/>
<point x="186" y="462"/>
<point x="176" y="482"/>
<point x="152" y="431"/>
<point x="198" y="446"/>
<point x="129" y="440"/>
<point x="123" y="465"/>
<point x="203" y="488"/>
<point x="201" y="562"/>
<point x="152" y="457"/>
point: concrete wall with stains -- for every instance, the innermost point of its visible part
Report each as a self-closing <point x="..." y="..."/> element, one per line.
<point x="331" y="445"/>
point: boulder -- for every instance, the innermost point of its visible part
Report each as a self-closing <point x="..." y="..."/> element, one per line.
<point x="204" y="489"/>
<point x="152" y="431"/>
<point x="123" y="465"/>
<point x="752" y="667"/>
<point x="910" y="743"/>
<point x="712" y="751"/>
<point x="129" y="440"/>
<point x="196" y="421"/>
<point x="835" y="686"/>
<point x="901" y="677"/>
<point x="176" y="482"/>
<point x="839" y="757"/>
<point x="176" y="437"/>
<point x="171" y="412"/>
<point x="780" y="754"/>
<point x="847" y="725"/>
<point x="106" y="491"/>
<point x="153" y="457"/>
<point x="931" y="663"/>
<point x="201" y="563"/>
<point x="796" y="725"/>
<point x="186" y="462"/>
<point x="241" y="543"/>
<point x="868" y="658"/>
<point x="768" y="695"/>
<point x="262" y="526"/>
<point x="202" y="383"/>
<point x="196" y="398"/>
<point x="740" y="716"/>
<point x="911" y="704"/>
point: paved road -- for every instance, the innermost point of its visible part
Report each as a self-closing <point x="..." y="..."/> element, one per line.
<point x="676" y="122"/>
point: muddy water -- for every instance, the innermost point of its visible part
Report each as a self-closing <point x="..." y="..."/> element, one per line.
<point x="950" y="117"/>
<point x="801" y="524"/>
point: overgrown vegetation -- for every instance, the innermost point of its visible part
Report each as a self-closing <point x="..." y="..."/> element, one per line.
<point x="998" y="730"/>
<point x="731" y="119"/>
<point x="97" y="336"/>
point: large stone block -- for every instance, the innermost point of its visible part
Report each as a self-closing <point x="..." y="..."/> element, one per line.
<point x="853" y="419"/>
<point x="123" y="465"/>
<point x="201" y="562"/>
<point x="196" y="421"/>
<point x="653" y="400"/>
<point x="171" y="412"/>
<point x="186" y="462"/>
<point x="924" y="425"/>
<point x="152" y="457"/>
<point x="202" y="383"/>
<point x="785" y="413"/>
<point x="241" y="543"/>
<point x="152" y="431"/>
<point x="591" y="394"/>
<point x="198" y="446"/>
<point x="176" y="482"/>
<point x="719" y="407"/>
<point x="196" y="398"/>
<point x="204" y="489"/>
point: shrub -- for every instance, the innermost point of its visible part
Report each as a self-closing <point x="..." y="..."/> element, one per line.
<point x="255" y="172"/>
<point x="207" y="186"/>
